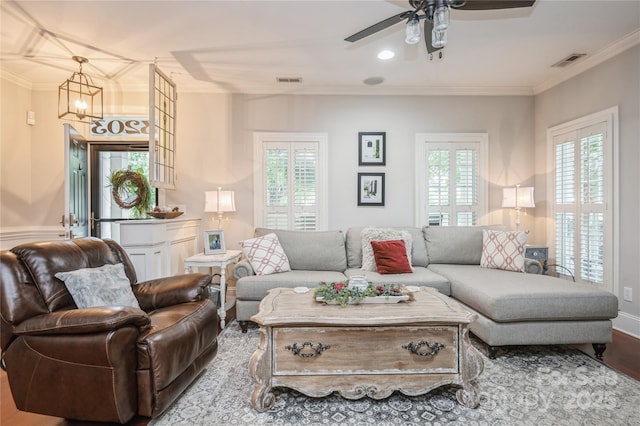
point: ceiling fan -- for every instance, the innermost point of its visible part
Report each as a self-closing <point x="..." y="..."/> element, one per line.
<point x="436" y="19"/>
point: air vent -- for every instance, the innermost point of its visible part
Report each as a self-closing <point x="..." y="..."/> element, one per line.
<point x="289" y="79"/>
<point x="569" y="60"/>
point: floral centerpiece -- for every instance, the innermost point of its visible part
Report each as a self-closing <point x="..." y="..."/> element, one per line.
<point x="340" y="292"/>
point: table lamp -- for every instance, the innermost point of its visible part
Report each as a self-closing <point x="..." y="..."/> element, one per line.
<point x="518" y="198"/>
<point x="219" y="202"/>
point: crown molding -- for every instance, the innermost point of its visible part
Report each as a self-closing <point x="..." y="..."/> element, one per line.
<point x="15" y="79"/>
<point x="590" y="61"/>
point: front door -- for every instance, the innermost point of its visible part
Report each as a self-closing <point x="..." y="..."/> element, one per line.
<point x="107" y="157"/>
<point x="76" y="192"/>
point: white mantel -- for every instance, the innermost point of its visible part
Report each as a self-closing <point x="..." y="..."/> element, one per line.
<point x="158" y="247"/>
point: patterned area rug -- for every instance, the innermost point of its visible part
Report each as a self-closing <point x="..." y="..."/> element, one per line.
<point x="528" y="385"/>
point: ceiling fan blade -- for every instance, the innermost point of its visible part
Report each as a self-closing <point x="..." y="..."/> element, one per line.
<point x="379" y="26"/>
<point x="428" y="28"/>
<point x="492" y="4"/>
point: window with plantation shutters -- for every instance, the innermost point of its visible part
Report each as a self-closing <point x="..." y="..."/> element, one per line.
<point x="582" y="188"/>
<point x="290" y="181"/>
<point x="449" y="171"/>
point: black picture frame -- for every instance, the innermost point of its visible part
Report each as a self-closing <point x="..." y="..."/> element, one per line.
<point x="372" y="148"/>
<point x="371" y="189"/>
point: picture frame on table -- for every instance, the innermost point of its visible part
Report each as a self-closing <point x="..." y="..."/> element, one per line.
<point x="372" y="148"/>
<point x="370" y="189"/>
<point x="214" y="242"/>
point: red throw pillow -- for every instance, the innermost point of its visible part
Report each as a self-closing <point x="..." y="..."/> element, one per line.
<point x="391" y="257"/>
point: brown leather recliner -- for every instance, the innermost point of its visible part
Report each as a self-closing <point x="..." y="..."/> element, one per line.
<point x="103" y="363"/>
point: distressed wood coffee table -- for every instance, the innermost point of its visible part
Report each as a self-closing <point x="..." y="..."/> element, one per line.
<point x="363" y="350"/>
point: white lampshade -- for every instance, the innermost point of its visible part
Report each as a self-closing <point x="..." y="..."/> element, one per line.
<point x="219" y="201"/>
<point x="518" y="197"/>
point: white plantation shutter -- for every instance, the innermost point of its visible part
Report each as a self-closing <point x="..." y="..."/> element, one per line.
<point x="277" y="186"/>
<point x="304" y="188"/>
<point x="582" y="176"/>
<point x="448" y="179"/>
<point x="291" y="182"/>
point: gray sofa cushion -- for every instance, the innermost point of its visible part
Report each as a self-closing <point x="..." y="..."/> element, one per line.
<point x="507" y="296"/>
<point x="312" y="250"/>
<point x="461" y="245"/>
<point x="354" y="246"/>
<point x="256" y="287"/>
<point x="420" y="276"/>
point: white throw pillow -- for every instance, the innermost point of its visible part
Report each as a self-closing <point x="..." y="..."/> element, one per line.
<point x="371" y="233"/>
<point x="266" y="255"/>
<point x="107" y="285"/>
<point x="503" y="250"/>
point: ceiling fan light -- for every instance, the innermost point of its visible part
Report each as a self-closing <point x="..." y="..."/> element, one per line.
<point x="413" y="31"/>
<point x="441" y="18"/>
<point x="438" y="39"/>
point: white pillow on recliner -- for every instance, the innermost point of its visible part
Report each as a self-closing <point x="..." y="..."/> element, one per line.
<point x="106" y="285"/>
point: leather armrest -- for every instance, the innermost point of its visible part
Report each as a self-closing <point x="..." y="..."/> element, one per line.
<point x="169" y="291"/>
<point x="83" y="321"/>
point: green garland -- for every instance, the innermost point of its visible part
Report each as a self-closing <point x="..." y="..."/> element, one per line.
<point x="126" y="184"/>
<point x="343" y="294"/>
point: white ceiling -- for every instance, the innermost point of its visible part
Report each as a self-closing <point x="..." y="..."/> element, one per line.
<point x="243" y="46"/>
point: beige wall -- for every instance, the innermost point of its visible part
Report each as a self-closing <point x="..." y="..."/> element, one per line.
<point x="507" y="120"/>
<point x="15" y="154"/>
<point x="215" y="149"/>
<point x="613" y="83"/>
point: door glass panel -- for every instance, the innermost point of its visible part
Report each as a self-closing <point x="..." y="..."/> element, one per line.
<point x="106" y="160"/>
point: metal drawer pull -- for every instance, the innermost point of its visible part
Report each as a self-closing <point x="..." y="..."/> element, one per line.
<point x="308" y="353"/>
<point x="414" y="348"/>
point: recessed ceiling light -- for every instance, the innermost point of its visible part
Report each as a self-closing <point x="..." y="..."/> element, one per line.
<point x="386" y="55"/>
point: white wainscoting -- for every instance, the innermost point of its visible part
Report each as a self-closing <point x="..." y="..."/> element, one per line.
<point x="13" y="236"/>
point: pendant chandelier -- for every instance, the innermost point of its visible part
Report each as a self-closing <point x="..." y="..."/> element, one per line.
<point x="78" y="98"/>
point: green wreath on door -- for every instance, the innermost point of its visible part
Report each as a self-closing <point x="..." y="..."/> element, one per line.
<point x="131" y="190"/>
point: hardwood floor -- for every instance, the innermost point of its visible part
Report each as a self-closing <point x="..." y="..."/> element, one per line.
<point x="621" y="354"/>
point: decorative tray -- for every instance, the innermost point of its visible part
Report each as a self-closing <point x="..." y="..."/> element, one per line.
<point x="164" y="215"/>
<point x="375" y="299"/>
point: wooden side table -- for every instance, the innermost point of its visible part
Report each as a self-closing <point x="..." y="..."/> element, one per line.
<point x="221" y="260"/>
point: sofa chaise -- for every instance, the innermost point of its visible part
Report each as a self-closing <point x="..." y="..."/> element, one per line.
<point x="513" y="308"/>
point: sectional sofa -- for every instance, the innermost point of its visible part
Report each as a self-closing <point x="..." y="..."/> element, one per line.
<point x="513" y="308"/>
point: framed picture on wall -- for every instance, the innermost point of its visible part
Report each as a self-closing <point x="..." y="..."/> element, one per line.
<point x="372" y="148"/>
<point x="371" y="189"/>
<point x="214" y="242"/>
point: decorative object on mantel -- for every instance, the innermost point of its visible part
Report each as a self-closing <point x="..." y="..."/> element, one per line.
<point x="158" y="213"/>
<point x="219" y="202"/>
<point x="347" y="293"/>
<point x="78" y="98"/>
<point x="518" y="198"/>
<point x="131" y="190"/>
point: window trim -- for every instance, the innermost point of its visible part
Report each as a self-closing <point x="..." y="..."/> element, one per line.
<point x="422" y="142"/>
<point x="259" y="139"/>
<point x="612" y="223"/>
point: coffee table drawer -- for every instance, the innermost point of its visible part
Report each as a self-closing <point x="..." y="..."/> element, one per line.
<point x="365" y="350"/>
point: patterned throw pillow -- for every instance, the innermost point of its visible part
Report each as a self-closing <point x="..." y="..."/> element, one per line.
<point x="381" y="234"/>
<point x="107" y="285"/>
<point x="266" y="255"/>
<point x="391" y="257"/>
<point x="503" y="250"/>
